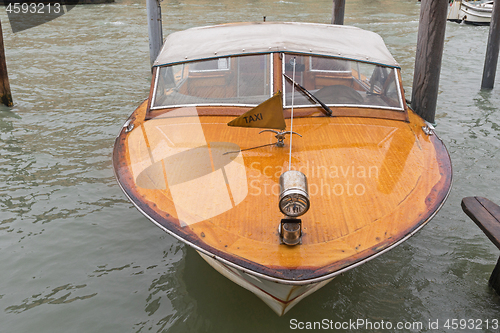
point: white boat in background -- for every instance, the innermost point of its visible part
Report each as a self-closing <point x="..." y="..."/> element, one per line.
<point x="471" y="12"/>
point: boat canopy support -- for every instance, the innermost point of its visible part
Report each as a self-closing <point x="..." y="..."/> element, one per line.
<point x="154" y="29"/>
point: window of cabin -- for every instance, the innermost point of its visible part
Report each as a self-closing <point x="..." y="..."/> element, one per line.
<point x="341" y="82"/>
<point x="243" y="80"/>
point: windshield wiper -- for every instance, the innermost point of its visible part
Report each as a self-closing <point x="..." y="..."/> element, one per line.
<point x="327" y="110"/>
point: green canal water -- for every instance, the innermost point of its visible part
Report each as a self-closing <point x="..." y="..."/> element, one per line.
<point x="76" y="256"/>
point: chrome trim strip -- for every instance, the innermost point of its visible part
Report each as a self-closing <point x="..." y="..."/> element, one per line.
<point x="348" y="106"/>
<point x="153" y="98"/>
<point x="271" y="74"/>
<point x="398" y="88"/>
<point x="203" y="104"/>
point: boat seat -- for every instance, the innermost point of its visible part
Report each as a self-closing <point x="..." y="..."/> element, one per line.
<point x="339" y="94"/>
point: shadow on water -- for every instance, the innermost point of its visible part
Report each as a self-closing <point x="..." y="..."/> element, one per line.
<point x="389" y="281"/>
<point x="381" y="281"/>
<point x="213" y="301"/>
<point x="7" y="112"/>
<point x="59" y="295"/>
<point x="209" y="297"/>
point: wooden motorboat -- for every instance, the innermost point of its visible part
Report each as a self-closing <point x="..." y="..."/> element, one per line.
<point x="470" y="12"/>
<point x="284" y="153"/>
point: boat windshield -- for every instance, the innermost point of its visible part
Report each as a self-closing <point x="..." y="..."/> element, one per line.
<point x="246" y="81"/>
<point x="243" y="80"/>
<point x="339" y="82"/>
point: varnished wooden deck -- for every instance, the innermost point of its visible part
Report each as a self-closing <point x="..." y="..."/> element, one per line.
<point x="372" y="182"/>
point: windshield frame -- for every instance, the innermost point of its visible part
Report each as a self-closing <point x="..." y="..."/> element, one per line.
<point x="231" y="59"/>
<point x="393" y="71"/>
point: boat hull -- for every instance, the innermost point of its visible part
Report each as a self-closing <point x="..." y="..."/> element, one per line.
<point x="280" y="297"/>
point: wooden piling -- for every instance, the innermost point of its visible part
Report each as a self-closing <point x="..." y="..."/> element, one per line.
<point x="430" y="44"/>
<point x="338" y="12"/>
<point x="154" y="29"/>
<point x="490" y="62"/>
<point x="486" y="215"/>
<point x="5" y="95"/>
<point x="494" y="280"/>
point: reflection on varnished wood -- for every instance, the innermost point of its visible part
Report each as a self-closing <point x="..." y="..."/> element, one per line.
<point x="366" y="180"/>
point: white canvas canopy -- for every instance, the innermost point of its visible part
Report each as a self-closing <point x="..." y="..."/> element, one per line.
<point x="250" y="38"/>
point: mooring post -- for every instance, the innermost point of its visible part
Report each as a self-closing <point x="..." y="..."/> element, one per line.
<point x="430" y="44"/>
<point x="5" y="95"/>
<point x="154" y="29"/>
<point x="490" y="62"/>
<point x="494" y="280"/>
<point x="338" y="12"/>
